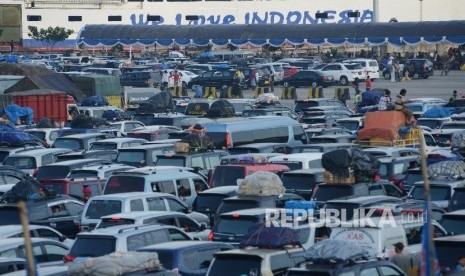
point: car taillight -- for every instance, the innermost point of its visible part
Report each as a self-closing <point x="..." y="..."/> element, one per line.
<point x="211" y="235"/>
<point x="79" y="227"/>
<point x="69" y="259"/>
<point x="228" y="140"/>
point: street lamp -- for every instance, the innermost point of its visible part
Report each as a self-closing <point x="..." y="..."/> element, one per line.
<point x="355" y="14"/>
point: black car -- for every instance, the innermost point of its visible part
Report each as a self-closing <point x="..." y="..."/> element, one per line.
<point x="300" y="105"/>
<point x="307" y="78"/>
<point x="215" y="78"/>
<point x="208" y="201"/>
<point x="59" y="212"/>
<point x="302" y="182"/>
<point x="423" y="68"/>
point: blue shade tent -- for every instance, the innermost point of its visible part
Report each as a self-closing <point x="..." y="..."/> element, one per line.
<point x="369" y="34"/>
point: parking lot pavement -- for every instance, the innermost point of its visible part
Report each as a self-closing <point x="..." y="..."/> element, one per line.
<point x="436" y="86"/>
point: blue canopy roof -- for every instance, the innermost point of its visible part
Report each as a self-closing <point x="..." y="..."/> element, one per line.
<point x="399" y="33"/>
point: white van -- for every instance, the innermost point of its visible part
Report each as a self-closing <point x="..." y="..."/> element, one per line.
<point x="299" y="161"/>
<point x="103" y="205"/>
<point x="369" y="65"/>
<point x="276" y="68"/>
<point x="379" y="239"/>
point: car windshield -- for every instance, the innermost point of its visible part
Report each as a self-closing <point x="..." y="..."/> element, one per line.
<point x="453" y="224"/>
<point x="92" y="246"/>
<point x="99" y="208"/>
<point x="52" y="172"/>
<point x="21" y="162"/>
<point x="171" y="161"/>
<point x="68" y="143"/>
<point x="133" y="157"/>
<point x="38" y="134"/>
<point x="114" y="221"/>
<point x="59" y="187"/>
<point x="124" y="184"/>
<point x="293" y="165"/>
<point x="235" y="225"/>
<point x="103" y="146"/>
<point x="208" y="203"/>
<point x="437" y="193"/>
<point x="298" y="182"/>
<point x="9" y="216"/>
<point x="349" y="125"/>
<point x="234" y="265"/>
<point x="329" y="192"/>
<point x="234" y="205"/>
<point x="227" y="175"/>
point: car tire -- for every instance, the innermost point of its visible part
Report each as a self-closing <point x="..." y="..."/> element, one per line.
<point x="314" y="84"/>
<point x="416" y="76"/>
<point x="387" y="76"/>
<point x="286" y="84"/>
<point x="344" y="81"/>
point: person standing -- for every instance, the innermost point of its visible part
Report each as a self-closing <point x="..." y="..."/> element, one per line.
<point x="176" y="77"/>
<point x="385" y="101"/>
<point x="400" y="100"/>
<point x="460" y="267"/>
<point x="397" y="70"/>
<point x="253" y="79"/>
<point x="368" y="83"/>
<point x="403" y="261"/>
<point x="356" y="86"/>
<point x="271" y="82"/>
<point x="164" y="81"/>
<point x="406" y="76"/>
<point x="391" y="70"/>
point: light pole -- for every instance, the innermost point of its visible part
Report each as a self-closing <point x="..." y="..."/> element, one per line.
<point x="355" y="14"/>
<point x="421" y="10"/>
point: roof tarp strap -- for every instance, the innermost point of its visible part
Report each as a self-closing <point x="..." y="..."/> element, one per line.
<point x="411" y="40"/>
<point x="203" y="42"/>
<point x="456" y="39"/>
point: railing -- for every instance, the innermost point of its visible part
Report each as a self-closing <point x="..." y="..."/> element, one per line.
<point x="76" y="2"/>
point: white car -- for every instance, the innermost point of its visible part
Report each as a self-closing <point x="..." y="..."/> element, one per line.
<point x="126" y="126"/>
<point x="47" y="135"/>
<point x="345" y="73"/>
<point x="184" y="77"/>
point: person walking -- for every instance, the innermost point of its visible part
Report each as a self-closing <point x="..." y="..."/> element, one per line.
<point x="253" y="79"/>
<point x="271" y="82"/>
<point x="356" y="86"/>
<point x="385" y="101"/>
<point x="368" y="83"/>
<point x="391" y="69"/>
<point x="164" y="81"/>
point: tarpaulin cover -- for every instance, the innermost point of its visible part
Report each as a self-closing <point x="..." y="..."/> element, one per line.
<point x="371" y="97"/>
<point x="337" y="162"/>
<point x="335" y="250"/>
<point x="458" y="139"/>
<point x="382" y="124"/>
<point x="270" y="237"/>
<point x="14" y="112"/>
<point x="447" y="169"/>
<point x="438" y="112"/>
<point x="370" y="34"/>
<point x="261" y="183"/>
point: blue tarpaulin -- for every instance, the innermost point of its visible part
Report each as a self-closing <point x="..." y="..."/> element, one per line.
<point x="14" y="112"/>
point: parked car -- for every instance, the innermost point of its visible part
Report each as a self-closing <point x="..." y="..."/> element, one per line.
<point x="10" y="264"/>
<point x="45" y="251"/>
<point x="35" y="231"/>
<point x="187" y="257"/>
<point x="78" y="142"/>
<point x="308" y="78"/>
<point x="307" y="103"/>
<point x="59" y="212"/>
<point x="449" y="250"/>
<point x="344" y="73"/>
<point x="126" y="126"/>
<point x="144" y="155"/>
<point x="47" y="135"/>
<point x="60" y="170"/>
<point x="123" y="238"/>
<point x="454" y="222"/>
<point x="302" y="182"/>
<point x="215" y="78"/>
<point x="194" y="229"/>
<point x="116" y="143"/>
<point x="29" y="161"/>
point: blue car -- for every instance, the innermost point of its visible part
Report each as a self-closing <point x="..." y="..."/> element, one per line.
<point x="188" y="258"/>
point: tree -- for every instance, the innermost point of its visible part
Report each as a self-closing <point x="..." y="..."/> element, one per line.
<point x="50" y="35"/>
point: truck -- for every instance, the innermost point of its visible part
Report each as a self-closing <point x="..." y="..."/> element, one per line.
<point x="45" y="103"/>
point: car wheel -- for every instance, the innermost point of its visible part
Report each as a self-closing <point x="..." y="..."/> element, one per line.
<point x="416" y="75"/>
<point x="387" y="76"/>
<point x="314" y="84"/>
<point x="344" y="81"/>
<point x="286" y="84"/>
<point x="184" y="84"/>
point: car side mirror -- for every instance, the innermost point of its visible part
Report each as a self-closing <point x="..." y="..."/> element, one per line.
<point x="202" y="227"/>
<point x="62" y="238"/>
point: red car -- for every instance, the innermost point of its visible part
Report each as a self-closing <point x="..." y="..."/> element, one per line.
<point x="290" y="70"/>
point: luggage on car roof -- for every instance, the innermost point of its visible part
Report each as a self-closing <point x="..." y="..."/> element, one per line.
<point x="335" y="251"/>
<point x="261" y="183"/>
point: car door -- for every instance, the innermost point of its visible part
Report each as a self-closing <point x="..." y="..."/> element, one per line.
<point x="67" y="220"/>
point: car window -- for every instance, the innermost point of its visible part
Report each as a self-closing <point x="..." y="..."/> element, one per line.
<point x="398" y="168"/>
<point x="164" y="187"/>
<point x="387" y="270"/>
<point x="48" y="159"/>
<point x="54" y="252"/>
<point x="187" y="224"/>
<point x="156" y="204"/>
<point x="413" y="234"/>
<point x="369" y="272"/>
<point x="48" y="234"/>
<point x="213" y="161"/>
<point x="184" y="188"/>
<point x="136" y="205"/>
<point x="138" y="240"/>
<point x="197" y="162"/>
<point x="9" y="253"/>
<point x="59" y="210"/>
<point x="190" y="259"/>
<point x="175" y="206"/>
<point x="177" y="235"/>
<point x="74" y="208"/>
<point x="376" y="190"/>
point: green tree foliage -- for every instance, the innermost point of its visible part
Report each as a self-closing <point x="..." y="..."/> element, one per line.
<point x="51" y="35"/>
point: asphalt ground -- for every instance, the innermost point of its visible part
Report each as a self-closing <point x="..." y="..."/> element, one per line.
<point x="436" y="86"/>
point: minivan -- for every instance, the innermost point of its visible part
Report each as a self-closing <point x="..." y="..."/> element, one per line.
<point x="178" y="181"/>
<point x="29" y="161"/>
<point x="276" y="68"/>
<point x="370" y="66"/>
<point x="272" y="129"/>
<point x="103" y="205"/>
<point x="138" y="78"/>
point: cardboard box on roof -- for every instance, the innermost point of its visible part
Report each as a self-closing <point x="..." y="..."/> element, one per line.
<point x="382" y="124"/>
